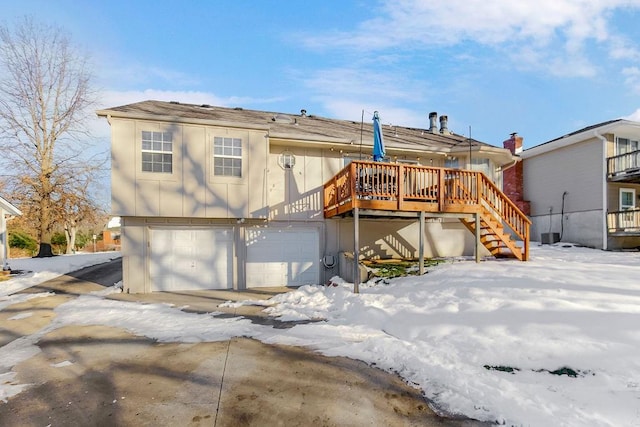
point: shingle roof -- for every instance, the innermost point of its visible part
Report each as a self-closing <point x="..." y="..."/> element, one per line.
<point x="304" y="126"/>
<point x="585" y="129"/>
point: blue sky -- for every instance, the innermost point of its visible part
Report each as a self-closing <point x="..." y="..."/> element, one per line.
<point x="541" y="68"/>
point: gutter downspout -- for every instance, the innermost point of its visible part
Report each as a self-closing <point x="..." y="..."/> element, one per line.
<point x="605" y="229"/>
<point x="511" y="164"/>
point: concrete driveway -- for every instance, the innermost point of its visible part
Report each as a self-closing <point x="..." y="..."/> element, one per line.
<point x="105" y="376"/>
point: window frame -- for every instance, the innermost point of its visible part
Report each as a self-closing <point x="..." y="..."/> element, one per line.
<point x="233" y="156"/>
<point x="482" y="164"/>
<point x="451" y="159"/>
<point x="626" y="207"/>
<point x="160" y="151"/>
<point x="629" y="146"/>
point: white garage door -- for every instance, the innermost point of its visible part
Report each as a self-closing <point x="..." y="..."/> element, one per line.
<point x="183" y="259"/>
<point x="282" y="257"/>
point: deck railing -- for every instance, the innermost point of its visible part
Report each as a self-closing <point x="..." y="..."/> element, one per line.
<point x="386" y="186"/>
<point x="623" y="163"/>
<point x="624" y="222"/>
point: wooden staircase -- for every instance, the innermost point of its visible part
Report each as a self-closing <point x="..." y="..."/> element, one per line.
<point x="379" y="187"/>
<point x="493" y="236"/>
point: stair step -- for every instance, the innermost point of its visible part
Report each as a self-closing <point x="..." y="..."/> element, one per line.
<point x="493" y="237"/>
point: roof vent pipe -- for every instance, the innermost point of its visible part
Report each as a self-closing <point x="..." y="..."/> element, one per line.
<point x="444" y="130"/>
<point x="433" y="122"/>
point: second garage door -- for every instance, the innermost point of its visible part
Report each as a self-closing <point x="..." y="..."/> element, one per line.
<point x="187" y="258"/>
<point x="282" y="257"/>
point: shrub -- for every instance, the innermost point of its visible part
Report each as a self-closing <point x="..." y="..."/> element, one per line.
<point x="22" y="240"/>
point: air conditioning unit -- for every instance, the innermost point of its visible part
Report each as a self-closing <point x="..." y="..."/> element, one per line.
<point x="549" y="238"/>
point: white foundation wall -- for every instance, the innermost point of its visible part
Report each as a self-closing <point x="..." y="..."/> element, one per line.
<point x="400" y="238"/>
<point x="583" y="228"/>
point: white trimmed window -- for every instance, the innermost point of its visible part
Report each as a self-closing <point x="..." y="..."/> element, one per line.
<point x="227" y="156"/>
<point x="482" y="165"/>
<point x="157" y="152"/>
<point x="626" y="145"/>
<point x="627" y="199"/>
<point x="451" y="162"/>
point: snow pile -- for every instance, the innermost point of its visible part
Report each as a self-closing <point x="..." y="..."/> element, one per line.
<point x="553" y="341"/>
<point x="483" y="340"/>
<point x="38" y="270"/>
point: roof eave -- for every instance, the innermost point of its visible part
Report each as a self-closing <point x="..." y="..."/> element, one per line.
<point x="9" y="208"/>
<point x="575" y="138"/>
<point x="163" y="118"/>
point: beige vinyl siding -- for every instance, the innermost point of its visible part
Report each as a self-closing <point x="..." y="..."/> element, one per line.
<point x="296" y="194"/>
<point x="123" y="154"/>
<point x="613" y="195"/>
<point x="194" y="192"/>
<point x="191" y="189"/>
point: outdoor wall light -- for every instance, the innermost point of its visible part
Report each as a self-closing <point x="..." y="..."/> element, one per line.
<point x="287" y="160"/>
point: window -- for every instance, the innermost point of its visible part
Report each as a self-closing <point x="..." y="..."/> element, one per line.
<point x="482" y="165"/>
<point x="408" y="161"/>
<point x="348" y="158"/>
<point x="227" y="156"/>
<point x="157" y="152"/>
<point x="627" y="199"/>
<point x="451" y="162"/>
<point x="625" y="145"/>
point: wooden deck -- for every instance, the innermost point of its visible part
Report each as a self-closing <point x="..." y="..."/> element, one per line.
<point x="408" y="188"/>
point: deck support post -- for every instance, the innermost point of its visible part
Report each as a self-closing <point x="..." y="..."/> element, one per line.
<point x="356" y="250"/>
<point x="421" y="245"/>
<point x="478" y="243"/>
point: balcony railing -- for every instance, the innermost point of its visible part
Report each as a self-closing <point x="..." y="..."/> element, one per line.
<point x="624" y="164"/>
<point x="398" y="187"/>
<point x="624" y="222"/>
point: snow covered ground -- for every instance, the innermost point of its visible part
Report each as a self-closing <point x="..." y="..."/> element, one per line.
<point x="554" y="341"/>
<point x="38" y="270"/>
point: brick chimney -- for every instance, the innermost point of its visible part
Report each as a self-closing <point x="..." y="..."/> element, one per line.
<point x="512" y="178"/>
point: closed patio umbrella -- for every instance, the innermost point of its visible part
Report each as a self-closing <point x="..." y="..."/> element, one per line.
<point x="378" y="141"/>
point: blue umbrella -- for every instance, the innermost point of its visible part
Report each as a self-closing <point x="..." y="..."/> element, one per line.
<point x="378" y="141"/>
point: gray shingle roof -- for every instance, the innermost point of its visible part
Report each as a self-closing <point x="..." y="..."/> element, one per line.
<point x="304" y="126"/>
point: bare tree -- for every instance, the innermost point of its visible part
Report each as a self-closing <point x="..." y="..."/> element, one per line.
<point x="45" y="97"/>
<point x="75" y="207"/>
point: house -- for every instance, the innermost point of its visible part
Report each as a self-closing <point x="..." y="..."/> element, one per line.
<point x="111" y="235"/>
<point x="228" y="198"/>
<point x="7" y="210"/>
<point x="584" y="186"/>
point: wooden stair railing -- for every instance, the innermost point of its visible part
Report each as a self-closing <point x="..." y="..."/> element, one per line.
<point x="497" y="210"/>
<point x="418" y="188"/>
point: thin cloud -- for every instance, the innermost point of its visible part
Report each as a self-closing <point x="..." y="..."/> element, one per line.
<point x="347" y="82"/>
<point x="635" y="116"/>
<point x="549" y="31"/>
<point x="632" y="77"/>
<point x="116" y="98"/>
<point x="135" y="74"/>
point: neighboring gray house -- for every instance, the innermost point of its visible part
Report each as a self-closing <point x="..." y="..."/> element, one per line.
<point x="229" y="198"/>
<point x="7" y="210"/>
<point x="584" y="187"/>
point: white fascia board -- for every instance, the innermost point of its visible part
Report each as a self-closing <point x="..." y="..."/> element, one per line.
<point x="9" y="208"/>
<point x="109" y="114"/>
<point x="579" y="137"/>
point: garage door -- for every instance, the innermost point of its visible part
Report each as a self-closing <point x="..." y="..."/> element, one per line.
<point x="282" y="257"/>
<point x="184" y="259"/>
